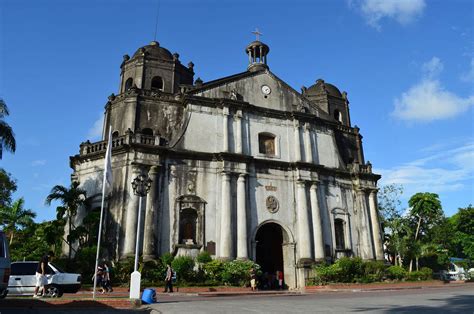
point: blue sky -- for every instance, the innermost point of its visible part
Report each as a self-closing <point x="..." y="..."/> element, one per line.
<point x="407" y="66"/>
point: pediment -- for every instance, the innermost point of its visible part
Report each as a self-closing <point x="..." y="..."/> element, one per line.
<point x="262" y="89"/>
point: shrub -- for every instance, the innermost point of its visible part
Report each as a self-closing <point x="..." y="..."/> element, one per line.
<point x="325" y="274"/>
<point x="153" y="272"/>
<point x="427" y="273"/>
<point x="374" y="270"/>
<point x="166" y="258"/>
<point x="415" y="275"/>
<point x="237" y="272"/>
<point x="204" y="257"/>
<point x="396" y="272"/>
<point x="85" y="261"/>
<point x="184" y="268"/>
<point x="213" y="270"/>
<point x="350" y="268"/>
<point x="122" y="270"/>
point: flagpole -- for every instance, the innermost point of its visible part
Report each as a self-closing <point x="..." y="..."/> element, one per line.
<point x="101" y="214"/>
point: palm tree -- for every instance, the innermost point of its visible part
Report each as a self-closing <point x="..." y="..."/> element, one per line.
<point x="426" y="207"/>
<point x="71" y="199"/>
<point x="7" y="137"/>
<point x="15" y="216"/>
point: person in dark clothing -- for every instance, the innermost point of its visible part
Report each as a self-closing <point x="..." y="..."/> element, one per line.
<point x="169" y="279"/>
<point x="41" y="270"/>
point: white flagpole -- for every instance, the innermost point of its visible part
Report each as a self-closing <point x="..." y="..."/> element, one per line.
<point x="109" y="142"/>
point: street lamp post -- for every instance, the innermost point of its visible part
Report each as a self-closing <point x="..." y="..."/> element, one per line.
<point x="141" y="185"/>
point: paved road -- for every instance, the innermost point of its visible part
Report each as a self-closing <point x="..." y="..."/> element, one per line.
<point x="432" y="300"/>
<point x="428" y="300"/>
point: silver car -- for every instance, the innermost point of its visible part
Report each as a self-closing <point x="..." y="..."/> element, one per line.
<point x="23" y="280"/>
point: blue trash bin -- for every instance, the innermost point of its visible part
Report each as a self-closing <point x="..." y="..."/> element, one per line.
<point x="149" y="296"/>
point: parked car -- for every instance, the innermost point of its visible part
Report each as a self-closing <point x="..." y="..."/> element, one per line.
<point x="23" y="280"/>
<point x="4" y="265"/>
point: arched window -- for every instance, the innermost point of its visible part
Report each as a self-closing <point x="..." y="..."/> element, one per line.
<point x="115" y="134"/>
<point x="339" y="233"/>
<point x="338" y="116"/>
<point x="187" y="226"/>
<point x="128" y="83"/>
<point x="147" y="131"/>
<point x="157" y="83"/>
<point x="266" y="144"/>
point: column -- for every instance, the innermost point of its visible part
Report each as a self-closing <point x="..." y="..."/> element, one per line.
<point x="374" y="217"/>
<point x="238" y="135"/>
<point x="366" y="251"/>
<point x="225" y="129"/>
<point x="317" y="225"/>
<point x="307" y="143"/>
<point x="297" y="147"/>
<point x="242" y="251"/>
<point x="132" y="212"/>
<point x="225" y="251"/>
<point x="149" y="247"/>
<point x="304" y="238"/>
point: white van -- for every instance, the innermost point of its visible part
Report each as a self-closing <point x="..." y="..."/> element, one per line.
<point x="5" y="265"/>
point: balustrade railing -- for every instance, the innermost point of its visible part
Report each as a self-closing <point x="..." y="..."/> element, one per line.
<point x="92" y="148"/>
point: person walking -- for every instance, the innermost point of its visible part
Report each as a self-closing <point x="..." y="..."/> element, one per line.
<point x="280" y="279"/>
<point x="41" y="270"/>
<point x="169" y="279"/>
<point x="106" y="283"/>
<point x="253" y="279"/>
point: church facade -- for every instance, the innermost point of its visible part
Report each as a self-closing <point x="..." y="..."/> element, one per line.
<point x="244" y="167"/>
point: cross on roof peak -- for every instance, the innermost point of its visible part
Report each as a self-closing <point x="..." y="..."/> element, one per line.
<point x="257" y="34"/>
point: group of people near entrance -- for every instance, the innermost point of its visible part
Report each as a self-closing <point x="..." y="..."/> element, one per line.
<point x="266" y="281"/>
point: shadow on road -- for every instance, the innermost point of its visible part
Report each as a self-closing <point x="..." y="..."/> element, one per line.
<point x="455" y="304"/>
<point x="17" y="306"/>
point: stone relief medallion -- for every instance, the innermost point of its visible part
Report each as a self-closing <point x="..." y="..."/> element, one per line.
<point x="272" y="204"/>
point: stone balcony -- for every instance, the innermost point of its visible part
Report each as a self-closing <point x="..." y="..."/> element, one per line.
<point x="88" y="148"/>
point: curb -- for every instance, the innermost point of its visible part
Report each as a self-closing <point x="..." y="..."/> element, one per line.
<point x="316" y="289"/>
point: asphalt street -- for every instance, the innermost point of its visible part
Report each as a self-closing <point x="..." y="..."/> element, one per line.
<point x="432" y="300"/>
<point x="427" y="300"/>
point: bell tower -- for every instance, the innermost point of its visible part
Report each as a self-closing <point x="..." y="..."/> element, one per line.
<point x="257" y="52"/>
<point x="154" y="68"/>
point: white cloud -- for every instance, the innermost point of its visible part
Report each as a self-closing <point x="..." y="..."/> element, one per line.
<point x="41" y="162"/>
<point x="95" y="132"/>
<point x="469" y="75"/>
<point x="428" y="100"/>
<point x="442" y="171"/>
<point x="403" y="11"/>
<point x="432" y="68"/>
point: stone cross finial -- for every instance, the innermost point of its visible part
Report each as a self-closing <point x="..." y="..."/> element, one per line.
<point x="257" y="34"/>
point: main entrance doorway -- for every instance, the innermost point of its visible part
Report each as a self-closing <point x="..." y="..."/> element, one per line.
<point x="269" y="251"/>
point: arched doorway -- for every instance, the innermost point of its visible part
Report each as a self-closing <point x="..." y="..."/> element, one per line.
<point x="269" y="251"/>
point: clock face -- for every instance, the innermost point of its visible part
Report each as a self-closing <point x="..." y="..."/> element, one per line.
<point x="266" y="90"/>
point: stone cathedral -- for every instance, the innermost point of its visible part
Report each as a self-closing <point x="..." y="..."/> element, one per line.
<point x="244" y="167"/>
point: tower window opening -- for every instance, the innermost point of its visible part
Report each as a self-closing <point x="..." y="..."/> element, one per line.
<point x="157" y="83"/>
<point x="128" y="84"/>
<point x="338" y="116"/>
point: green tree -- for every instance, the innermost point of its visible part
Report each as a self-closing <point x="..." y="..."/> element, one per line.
<point x="393" y="224"/>
<point x="426" y="210"/>
<point x="7" y="187"/>
<point x="7" y="137"/>
<point x="463" y="222"/>
<point x="71" y="199"/>
<point x="15" y="216"/>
